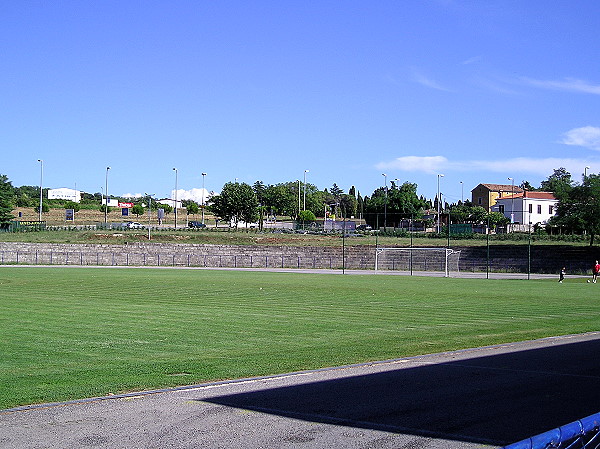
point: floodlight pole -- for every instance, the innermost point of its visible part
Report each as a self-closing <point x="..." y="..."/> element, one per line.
<point x="529" y="254"/>
<point x="385" y="203"/>
<point x="41" y="190"/>
<point x="175" y="197"/>
<point x="203" y="175"/>
<point x="149" y="211"/>
<point x="512" y="201"/>
<point x="304" y="206"/>
<point x="106" y="194"/>
<point x="438" y="201"/>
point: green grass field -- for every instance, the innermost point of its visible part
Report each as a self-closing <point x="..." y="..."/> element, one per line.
<point x="80" y="332"/>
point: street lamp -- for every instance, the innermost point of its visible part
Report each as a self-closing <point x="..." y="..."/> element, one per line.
<point x="203" y="175"/>
<point x="41" y="191"/>
<point x="106" y="193"/>
<point x="438" y="201"/>
<point x="385" y="203"/>
<point x="462" y="192"/>
<point x="149" y="195"/>
<point x="585" y="171"/>
<point x="175" y="197"/>
<point x="305" y="172"/>
<point x="512" y="201"/>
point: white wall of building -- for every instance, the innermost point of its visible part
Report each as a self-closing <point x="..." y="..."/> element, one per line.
<point x="527" y="210"/>
<point x="64" y="194"/>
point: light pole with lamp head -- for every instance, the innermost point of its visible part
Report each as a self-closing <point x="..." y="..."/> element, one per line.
<point x="512" y="200"/>
<point x="396" y="184"/>
<point x="462" y="193"/>
<point x="106" y="194"/>
<point x="175" y="197"/>
<point x="149" y="195"/>
<point x="385" y="203"/>
<point x="304" y="203"/>
<point x="203" y="175"/>
<point x="585" y="171"/>
<point x="438" y="201"/>
<point x="41" y="191"/>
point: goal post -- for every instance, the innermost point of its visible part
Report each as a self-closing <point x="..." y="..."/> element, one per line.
<point x="418" y="259"/>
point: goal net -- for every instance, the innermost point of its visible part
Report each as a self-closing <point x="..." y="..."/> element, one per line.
<point x="443" y="260"/>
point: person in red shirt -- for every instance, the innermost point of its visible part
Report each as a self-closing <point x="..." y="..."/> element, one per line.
<point x="596" y="270"/>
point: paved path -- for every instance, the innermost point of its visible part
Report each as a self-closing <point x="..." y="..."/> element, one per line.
<point x="484" y="397"/>
<point x="454" y="274"/>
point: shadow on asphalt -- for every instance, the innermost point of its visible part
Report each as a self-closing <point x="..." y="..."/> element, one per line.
<point x="497" y="399"/>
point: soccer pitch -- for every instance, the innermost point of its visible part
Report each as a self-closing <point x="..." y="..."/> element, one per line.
<point x="69" y="333"/>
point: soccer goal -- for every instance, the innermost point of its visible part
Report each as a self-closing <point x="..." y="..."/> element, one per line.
<point x="445" y="260"/>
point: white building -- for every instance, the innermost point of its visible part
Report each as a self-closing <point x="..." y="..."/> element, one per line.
<point x="527" y="207"/>
<point x="170" y="202"/>
<point x="64" y="194"/>
<point x="112" y="202"/>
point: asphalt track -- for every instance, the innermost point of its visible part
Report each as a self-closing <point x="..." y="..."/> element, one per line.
<point x="473" y="398"/>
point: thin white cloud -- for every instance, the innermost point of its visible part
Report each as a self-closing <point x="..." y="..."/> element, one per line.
<point x="587" y="136"/>
<point x="472" y="60"/>
<point x="426" y="164"/>
<point x="132" y="195"/>
<point x="568" y="84"/>
<point x="423" y="80"/>
<point x="440" y="164"/>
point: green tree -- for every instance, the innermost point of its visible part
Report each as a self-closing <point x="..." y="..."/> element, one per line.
<point x="558" y="182"/>
<point x="578" y="208"/>
<point x="497" y="219"/>
<point x="6" y="200"/>
<point x="260" y="189"/>
<point x="400" y="203"/>
<point x="526" y="185"/>
<point x="192" y="207"/>
<point x="349" y="205"/>
<point x="137" y="209"/>
<point x="306" y="216"/>
<point x="236" y="202"/>
<point x="166" y="207"/>
<point x="72" y="205"/>
<point x="336" y="191"/>
<point x="478" y="215"/>
<point x="282" y="199"/>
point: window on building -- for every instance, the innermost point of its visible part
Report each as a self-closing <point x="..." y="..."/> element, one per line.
<point x="479" y="200"/>
<point x="531" y="208"/>
<point x="551" y="210"/>
<point x="539" y="208"/>
<point x="501" y="208"/>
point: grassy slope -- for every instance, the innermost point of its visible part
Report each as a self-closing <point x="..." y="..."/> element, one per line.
<point x="74" y="332"/>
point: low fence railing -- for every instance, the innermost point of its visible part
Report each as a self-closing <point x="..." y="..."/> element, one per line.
<point x="580" y="434"/>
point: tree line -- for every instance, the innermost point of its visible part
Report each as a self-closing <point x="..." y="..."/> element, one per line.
<point x="578" y="209"/>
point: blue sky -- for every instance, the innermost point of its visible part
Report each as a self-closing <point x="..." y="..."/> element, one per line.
<point x="479" y="91"/>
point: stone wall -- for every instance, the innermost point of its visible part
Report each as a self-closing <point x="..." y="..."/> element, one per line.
<point x="511" y="258"/>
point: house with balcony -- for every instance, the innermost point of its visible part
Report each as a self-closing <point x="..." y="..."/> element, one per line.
<point x="527" y="207"/>
<point x="486" y="195"/>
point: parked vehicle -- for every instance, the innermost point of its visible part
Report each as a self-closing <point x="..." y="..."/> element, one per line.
<point x="133" y="225"/>
<point x="196" y="224"/>
<point x="363" y="227"/>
